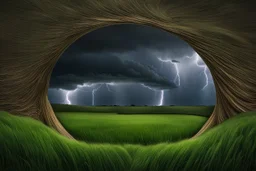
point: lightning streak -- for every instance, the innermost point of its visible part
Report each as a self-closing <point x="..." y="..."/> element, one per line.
<point x="93" y="93"/>
<point x="177" y="77"/>
<point x="197" y="58"/>
<point x="67" y="97"/>
<point x="150" y="88"/>
<point x="69" y="92"/>
<point x="85" y="85"/>
<point x="108" y="86"/>
<point x="161" y="100"/>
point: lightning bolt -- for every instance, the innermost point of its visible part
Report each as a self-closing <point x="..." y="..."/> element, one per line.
<point x="93" y="93"/>
<point x="86" y="85"/>
<point x="177" y="77"/>
<point x="161" y="100"/>
<point x="197" y="60"/>
<point x="69" y="92"/>
<point x="108" y="86"/>
<point x="67" y="96"/>
<point x="150" y="88"/>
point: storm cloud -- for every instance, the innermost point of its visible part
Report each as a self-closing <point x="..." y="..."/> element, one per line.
<point x="91" y="68"/>
<point x="127" y="55"/>
<point x="127" y="37"/>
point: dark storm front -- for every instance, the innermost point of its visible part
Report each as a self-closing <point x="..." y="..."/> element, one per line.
<point x="131" y="65"/>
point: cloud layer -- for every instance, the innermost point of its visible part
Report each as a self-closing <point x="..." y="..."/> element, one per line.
<point x="91" y="68"/>
<point x="129" y="54"/>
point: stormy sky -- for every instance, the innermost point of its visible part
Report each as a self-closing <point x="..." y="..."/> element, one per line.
<point x="131" y="64"/>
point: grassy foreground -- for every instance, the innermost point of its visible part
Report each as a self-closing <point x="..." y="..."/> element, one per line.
<point x="187" y="110"/>
<point x="26" y="144"/>
<point x="134" y="129"/>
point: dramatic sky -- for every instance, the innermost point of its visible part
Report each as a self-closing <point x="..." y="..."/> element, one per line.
<point x="131" y="64"/>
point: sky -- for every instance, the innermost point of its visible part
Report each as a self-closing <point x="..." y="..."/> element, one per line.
<point x="131" y="65"/>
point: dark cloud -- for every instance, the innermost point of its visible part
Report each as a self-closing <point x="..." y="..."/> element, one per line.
<point x="90" y="68"/>
<point x="127" y="37"/>
<point x="129" y="53"/>
<point x="175" y="61"/>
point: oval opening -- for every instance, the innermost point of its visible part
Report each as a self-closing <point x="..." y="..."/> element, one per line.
<point x="131" y="84"/>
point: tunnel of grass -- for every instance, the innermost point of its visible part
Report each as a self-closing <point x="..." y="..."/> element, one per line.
<point x="35" y="33"/>
<point x="131" y="84"/>
<point x="36" y="39"/>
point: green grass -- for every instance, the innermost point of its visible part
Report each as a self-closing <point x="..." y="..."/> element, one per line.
<point x="187" y="110"/>
<point x="26" y="144"/>
<point x="134" y="129"/>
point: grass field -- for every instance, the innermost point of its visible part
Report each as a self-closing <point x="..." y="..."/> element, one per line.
<point x="187" y="110"/>
<point x="134" y="129"/>
<point x="26" y="144"/>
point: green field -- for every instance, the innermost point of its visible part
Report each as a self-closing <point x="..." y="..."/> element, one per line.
<point x="134" y="129"/>
<point x="27" y="144"/>
<point x="187" y="110"/>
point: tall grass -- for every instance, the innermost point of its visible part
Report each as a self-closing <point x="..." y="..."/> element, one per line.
<point x="26" y="144"/>
<point x="134" y="129"/>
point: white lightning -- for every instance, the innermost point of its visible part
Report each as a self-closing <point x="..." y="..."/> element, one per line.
<point x="197" y="58"/>
<point x="69" y="92"/>
<point x="177" y="77"/>
<point x="161" y="100"/>
<point x="86" y="85"/>
<point x="108" y="86"/>
<point x="67" y="97"/>
<point x="150" y="88"/>
<point x="93" y="93"/>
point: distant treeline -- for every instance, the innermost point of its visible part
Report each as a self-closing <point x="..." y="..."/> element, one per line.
<point x="191" y="110"/>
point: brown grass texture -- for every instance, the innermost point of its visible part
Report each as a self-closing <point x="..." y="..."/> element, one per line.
<point x="34" y="34"/>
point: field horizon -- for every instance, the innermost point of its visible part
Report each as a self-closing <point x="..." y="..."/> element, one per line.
<point x="188" y="110"/>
